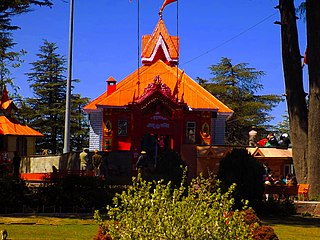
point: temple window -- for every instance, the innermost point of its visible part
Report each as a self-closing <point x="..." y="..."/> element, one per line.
<point x="122" y="128"/>
<point x="190" y="132"/>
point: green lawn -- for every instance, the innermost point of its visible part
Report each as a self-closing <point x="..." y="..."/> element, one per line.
<point x="295" y="227"/>
<point x="78" y="228"/>
<point x="49" y="228"/>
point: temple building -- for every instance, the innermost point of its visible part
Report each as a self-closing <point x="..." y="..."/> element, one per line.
<point x="157" y="107"/>
<point x="14" y="136"/>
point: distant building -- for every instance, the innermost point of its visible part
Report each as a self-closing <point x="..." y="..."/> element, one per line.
<point x="14" y="136"/>
<point x="156" y="106"/>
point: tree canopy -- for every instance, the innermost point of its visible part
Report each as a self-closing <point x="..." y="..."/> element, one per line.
<point x="45" y="111"/>
<point x="237" y="86"/>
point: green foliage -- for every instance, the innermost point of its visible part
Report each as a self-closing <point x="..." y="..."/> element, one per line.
<point x="45" y="112"/>
<point x="83" y="192"/>
<point x="10" y="59"/>
<point x="237" y="87"/>
<point x="13" y="193"/>
<point x="284" y="125"/>
<point x="156" y="211"/>
<point x="241" y="168"/>
<point x="274" y="207"/>
<point x="79" y="127"/>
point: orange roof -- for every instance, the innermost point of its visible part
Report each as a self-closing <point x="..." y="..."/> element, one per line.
<point x="5" y="103"/>
<point x="270" y="152"/>
<point x="10" y="126"/>
<point x="160" y="53"/>
<point x="193" y="94"/>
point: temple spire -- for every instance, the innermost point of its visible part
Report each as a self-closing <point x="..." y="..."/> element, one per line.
<point x="160" y="46"/>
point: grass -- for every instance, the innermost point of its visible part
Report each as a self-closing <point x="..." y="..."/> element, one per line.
<point x="49" y="228"/>
<point x="295" y="227"/>
<point x="78" y="228"/>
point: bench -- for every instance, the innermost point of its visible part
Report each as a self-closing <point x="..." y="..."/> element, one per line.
<point x="303" y="191"/>
<point x="299" y="191"/>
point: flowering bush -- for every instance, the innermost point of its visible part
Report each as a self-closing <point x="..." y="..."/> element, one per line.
<point x="153" y="210"/>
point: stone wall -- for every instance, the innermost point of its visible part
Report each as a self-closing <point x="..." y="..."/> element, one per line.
<point x="309" y="207"/>
<point x="95" y="131"/>
<point x="44" y="164"/>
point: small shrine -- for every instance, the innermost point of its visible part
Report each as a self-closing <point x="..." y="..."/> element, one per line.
<point x="157" y="107"/>
<point x="14" y="136"/>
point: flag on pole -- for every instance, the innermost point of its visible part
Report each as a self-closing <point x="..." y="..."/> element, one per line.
<point x="165" y="3"/>
<point x="305" y="57"/>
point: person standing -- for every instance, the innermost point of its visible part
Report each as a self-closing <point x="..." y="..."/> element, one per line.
<point x="16" y="164"/>
<point x="84" y="159"/>
<point x="105" y="164"/>
<point x="252" y="137"/>
<point x="96" y="162"/>
<point x="142" y="160"/>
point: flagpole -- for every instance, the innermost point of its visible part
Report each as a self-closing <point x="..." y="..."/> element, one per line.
<point x="66" y="144"/>
<point x="138" y="40"/>
<point x="178" y="40"/>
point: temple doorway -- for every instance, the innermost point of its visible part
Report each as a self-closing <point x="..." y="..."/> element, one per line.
<point x="155" y="145"/>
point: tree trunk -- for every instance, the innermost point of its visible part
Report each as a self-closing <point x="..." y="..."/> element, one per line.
<point x="295" y="95"/>
<point x="313" y="43"/>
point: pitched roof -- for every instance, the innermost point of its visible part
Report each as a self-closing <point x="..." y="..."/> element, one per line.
<point x="160" y="53"/>
<point x="5" y="103"/>
<point x="10" y="126"/>
<point x="270" y="152"/>
<point x="133" y="85"/>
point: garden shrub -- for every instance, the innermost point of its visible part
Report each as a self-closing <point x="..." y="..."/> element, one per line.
<point x="241" y="168"/>
<point x="274" y="207"/>
<point x="264" y="233"/>
<point x="75" y="191"/>
<point x="258" y="231"/>
<point x="156" y="211"/>
<point x="13" y="194"/>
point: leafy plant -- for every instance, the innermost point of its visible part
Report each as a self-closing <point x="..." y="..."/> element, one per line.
<point x="156" y="211"/>
<point x="241" y="168"/>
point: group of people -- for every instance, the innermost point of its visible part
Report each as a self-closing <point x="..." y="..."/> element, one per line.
<point x="98" y="163"/>
<point x="269" y="179"/>
<point x="269" y="141"/>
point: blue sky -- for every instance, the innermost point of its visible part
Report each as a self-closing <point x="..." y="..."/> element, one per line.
<point x="106" y="39"/>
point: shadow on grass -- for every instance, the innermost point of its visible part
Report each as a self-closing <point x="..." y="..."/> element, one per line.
<point x="306" y="222"/>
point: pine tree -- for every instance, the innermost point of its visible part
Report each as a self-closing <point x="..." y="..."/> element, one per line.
<point x="236" y="86"/>
<point x="45" y="112"/>
<point x="49" y="89"/>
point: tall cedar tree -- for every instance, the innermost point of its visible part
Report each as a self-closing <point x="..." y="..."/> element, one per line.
<point x="48" y="83"/>
<point x="8" y="58"/>
<point x="304" y="119"/>
<point x="236" y="86"/>
<point x="46" y="110"/>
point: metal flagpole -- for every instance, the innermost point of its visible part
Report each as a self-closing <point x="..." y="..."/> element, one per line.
<point x="66" y="144"/>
